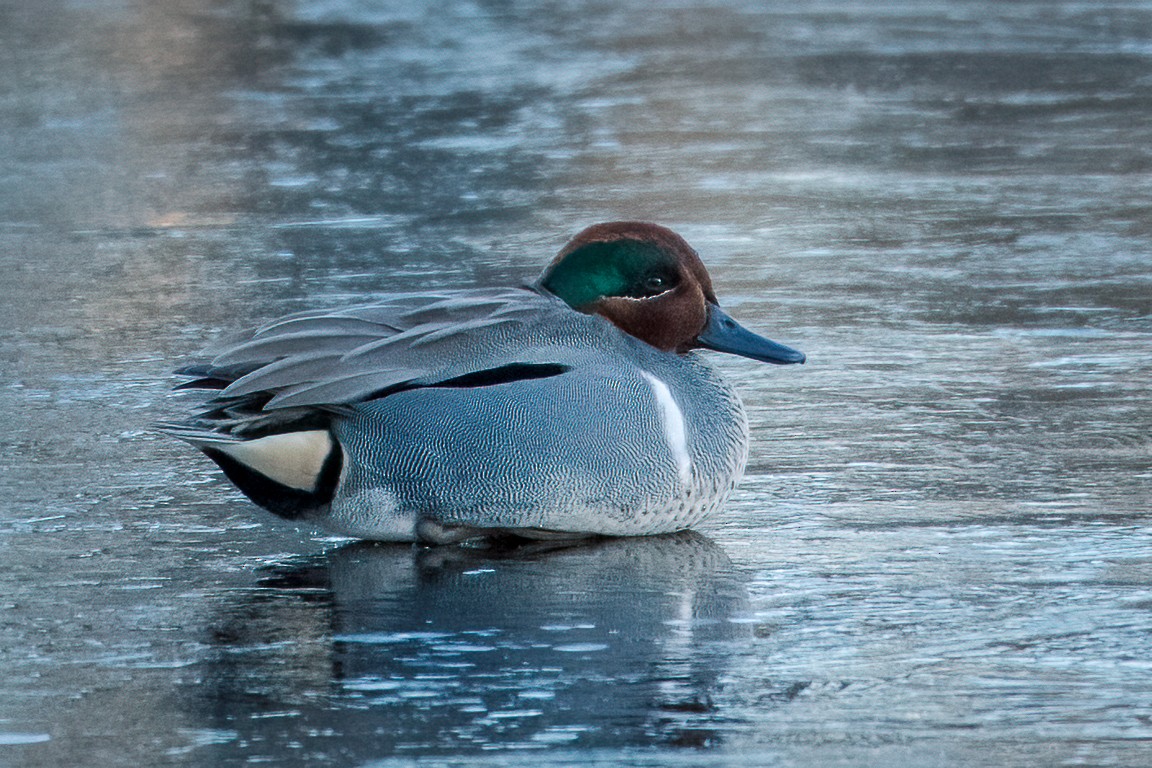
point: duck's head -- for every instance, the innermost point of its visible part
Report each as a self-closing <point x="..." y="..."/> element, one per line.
<point x="649" y="283"/>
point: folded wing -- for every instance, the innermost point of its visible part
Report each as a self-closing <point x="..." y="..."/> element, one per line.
<point x="294" y="372"/>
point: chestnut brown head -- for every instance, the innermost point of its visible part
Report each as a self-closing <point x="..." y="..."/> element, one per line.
<point x="648" y="282"/>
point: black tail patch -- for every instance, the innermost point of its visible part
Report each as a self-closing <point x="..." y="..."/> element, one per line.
<point x="277" y="498"/>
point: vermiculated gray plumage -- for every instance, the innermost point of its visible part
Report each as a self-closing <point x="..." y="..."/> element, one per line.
<point x="558" y="429"/>
<point x="570" y="407"/>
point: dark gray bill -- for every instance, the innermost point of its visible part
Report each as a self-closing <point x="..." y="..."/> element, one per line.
<point x="724" y="334"/>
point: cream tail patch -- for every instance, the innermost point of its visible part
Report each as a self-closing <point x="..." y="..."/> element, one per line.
<point x="294" y="459"/>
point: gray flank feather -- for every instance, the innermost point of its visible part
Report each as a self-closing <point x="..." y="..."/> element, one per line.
<point x="448" y="307"/>
<point x="291" y="371"/>
<point x="268" y="348"/>
<point x="333" y="324"/>
<point x="391" y="341"/>
<point x="448" y="331"/>
<point x="198" y="436"/>
<point x="344" y="389"/>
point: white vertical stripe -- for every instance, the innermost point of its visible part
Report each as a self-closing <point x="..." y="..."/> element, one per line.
<point x="674" y="431"/>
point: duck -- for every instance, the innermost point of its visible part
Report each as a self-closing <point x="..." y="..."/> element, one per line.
<point x="578" y="405"/>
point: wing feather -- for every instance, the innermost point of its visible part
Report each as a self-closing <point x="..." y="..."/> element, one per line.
<point x="281" y="345"/>
<point x="338" y="357"/>
<point x="342" y="389"/>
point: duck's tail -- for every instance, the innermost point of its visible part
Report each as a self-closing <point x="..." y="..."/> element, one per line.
<point x="291" y="474"/>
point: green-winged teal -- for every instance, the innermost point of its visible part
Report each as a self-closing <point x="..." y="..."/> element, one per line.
<point x="573" y="406"/>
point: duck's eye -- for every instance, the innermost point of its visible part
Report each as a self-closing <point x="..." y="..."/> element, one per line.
<point x="654" y="284"/>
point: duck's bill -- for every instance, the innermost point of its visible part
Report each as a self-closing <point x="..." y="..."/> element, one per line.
<point x="724" y="334"/>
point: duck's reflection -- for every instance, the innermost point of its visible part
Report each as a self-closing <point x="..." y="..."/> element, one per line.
<point x="393" y="648"/>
